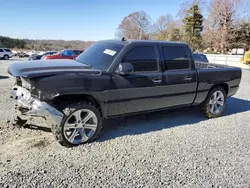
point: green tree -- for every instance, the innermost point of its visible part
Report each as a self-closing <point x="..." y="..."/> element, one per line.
<point x="243" y="35"/>
<point x="7" y="42"/>
<point x="175" y="35"/>
<point x="193" y="26"/>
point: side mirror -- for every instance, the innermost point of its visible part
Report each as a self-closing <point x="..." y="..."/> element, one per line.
<point x="125" y="68"/>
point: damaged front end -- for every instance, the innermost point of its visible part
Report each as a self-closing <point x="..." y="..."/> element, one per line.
<point x="29" y="106"/>
<point x="37" y="83"/>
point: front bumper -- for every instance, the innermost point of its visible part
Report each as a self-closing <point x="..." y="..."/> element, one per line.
<point x="30" y="106"/>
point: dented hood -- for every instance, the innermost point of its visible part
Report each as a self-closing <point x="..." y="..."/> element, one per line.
<point x="38" y="68"/>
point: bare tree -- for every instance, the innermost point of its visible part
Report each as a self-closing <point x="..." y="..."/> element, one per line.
<point x="164" y="26"/>
<point x="135" y="26"/>
<point x="220" y="23"/>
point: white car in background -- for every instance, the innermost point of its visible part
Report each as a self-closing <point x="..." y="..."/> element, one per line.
<point x="31" y="52"/>
<point x="5" y="53"/>
<point x="237" y="51"/>
<point x="41" y="52"/>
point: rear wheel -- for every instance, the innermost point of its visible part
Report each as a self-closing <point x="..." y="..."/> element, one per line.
<point x="215" y="102"/>
<point x="5" y="57"/>
<point x="81" y="124"/>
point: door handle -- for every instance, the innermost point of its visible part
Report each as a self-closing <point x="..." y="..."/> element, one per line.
<point x="187" y="78"/>
<point x="157" y="81"/>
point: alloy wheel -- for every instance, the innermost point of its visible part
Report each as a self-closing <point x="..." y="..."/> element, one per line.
<point x="80" y="126"/>
<point x="217" y="102"/>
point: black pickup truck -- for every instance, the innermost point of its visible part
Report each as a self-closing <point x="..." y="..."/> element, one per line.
<point x="113" y="78"/>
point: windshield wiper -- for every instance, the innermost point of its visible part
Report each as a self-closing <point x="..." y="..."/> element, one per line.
<point x="81" y="62"/>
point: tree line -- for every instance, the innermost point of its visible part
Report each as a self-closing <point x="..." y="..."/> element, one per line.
<point x="7" y="42"/>
<point x="226" y="26"/>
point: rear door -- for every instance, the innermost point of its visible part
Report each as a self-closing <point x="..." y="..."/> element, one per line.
<point x="139" y="90"/>
<point x="179" y="74"/>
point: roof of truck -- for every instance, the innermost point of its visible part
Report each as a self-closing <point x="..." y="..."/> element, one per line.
<point x="125" y="42"/>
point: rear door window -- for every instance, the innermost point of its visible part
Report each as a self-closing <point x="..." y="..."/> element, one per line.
<point x="175" y="58"/>
<point x="1" y="50"/>
<point x="143" y="59"/>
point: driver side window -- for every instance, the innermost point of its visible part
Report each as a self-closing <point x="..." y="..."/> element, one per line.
<point x="143" y="59"/>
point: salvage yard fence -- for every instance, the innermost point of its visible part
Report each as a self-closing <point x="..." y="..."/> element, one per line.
<point x="231" y="60"/>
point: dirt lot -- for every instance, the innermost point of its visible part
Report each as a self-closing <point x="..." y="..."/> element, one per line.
<point x="177" y="148"/>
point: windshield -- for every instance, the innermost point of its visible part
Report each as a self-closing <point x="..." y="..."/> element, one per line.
<point x="100" y="55"/>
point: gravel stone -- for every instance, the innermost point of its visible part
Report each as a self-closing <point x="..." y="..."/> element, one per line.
<point x="176" y="148"/>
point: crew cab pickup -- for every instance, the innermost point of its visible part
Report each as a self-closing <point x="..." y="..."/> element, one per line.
<point x="114" y="78"/>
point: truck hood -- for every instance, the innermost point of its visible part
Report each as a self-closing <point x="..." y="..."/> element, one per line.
<point x="30" y="69"/>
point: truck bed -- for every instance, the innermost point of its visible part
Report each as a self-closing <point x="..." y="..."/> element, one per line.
<point x="212" y="74"/>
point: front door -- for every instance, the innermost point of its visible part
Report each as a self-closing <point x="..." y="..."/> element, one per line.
<point x="139" y="90"/>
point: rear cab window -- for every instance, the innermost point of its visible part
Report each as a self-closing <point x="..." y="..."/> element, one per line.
<point x="175" y="57"/>
<point x="143" y="59"/>
<point x="200" y="57"/>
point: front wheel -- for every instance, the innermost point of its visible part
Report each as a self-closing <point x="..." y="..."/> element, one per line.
<point x="215" y="103"/>
<point x="5" y="57"/>
<point x="81" y="124"/>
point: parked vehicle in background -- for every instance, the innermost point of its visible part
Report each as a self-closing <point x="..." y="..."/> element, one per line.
<point x="237" y="51"/>
<point x="14" y="53"/>
<point x="38" y="57"/>
<point x="200" y="58"/>
<point x="41" y="52"/>
<point x="31" y="52"/>
<point x="246" y="58"/>
<point x="64" y="54"/>
<point x="22" y="54"/>
<point x="114" y="78"/>
<point x="5" y="53"/>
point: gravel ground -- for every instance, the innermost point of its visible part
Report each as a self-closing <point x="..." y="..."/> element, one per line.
<point x="178" y="148"/>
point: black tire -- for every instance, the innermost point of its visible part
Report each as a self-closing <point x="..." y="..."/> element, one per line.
<point x="69" y="109"/>
<point x="205" y="107"/>
<point x="6" y="57"/>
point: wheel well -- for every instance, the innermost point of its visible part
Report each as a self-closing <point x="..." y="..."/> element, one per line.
<point x="224" y="86"/>
<point x="75" y="98"/>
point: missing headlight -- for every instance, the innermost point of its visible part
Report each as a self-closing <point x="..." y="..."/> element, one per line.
<point x="18" y="81"/>
<point x="25" y="83"/>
